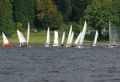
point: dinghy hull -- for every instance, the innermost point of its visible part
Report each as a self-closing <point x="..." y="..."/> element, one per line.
<point x="7" y="45"/>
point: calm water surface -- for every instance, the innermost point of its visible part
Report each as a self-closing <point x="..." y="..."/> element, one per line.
<point x="59" y="64"/>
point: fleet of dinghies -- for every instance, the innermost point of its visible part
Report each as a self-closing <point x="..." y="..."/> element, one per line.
<point x="24" y="42"/>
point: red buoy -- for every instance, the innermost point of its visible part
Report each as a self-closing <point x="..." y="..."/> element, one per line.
<point x="7" y="45"/>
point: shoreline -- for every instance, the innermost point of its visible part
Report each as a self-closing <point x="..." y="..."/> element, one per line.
<point x="43" y="44"/>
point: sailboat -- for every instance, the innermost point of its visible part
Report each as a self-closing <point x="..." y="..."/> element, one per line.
<point x="69" y="36"/>
<point x="77" y="40"/>
<point x="22" y="39"/>
<point x="56" y="42"/>
<point x="5" y="41"/>
<point x="95" y="39"/>
<point x="63" y="38"/>
<point x="113" y="35"/>
<point x="48" y="38"/>
<point x="82" y="35"/>
<point x="24" y="42"/>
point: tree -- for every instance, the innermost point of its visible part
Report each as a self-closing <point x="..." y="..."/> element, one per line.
<point x="6" y="19"/>
<point x="78" y="7"/>
<point x="24" y="11"/>
<point x="48" y="15"/>
<point x="99" y="13"/>
<point x="116" y="6"/>
<point x="65" y="7"/>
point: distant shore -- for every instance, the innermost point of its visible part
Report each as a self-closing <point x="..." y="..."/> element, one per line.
<point x="86" y="43"/>
<point x="39" y="38"/>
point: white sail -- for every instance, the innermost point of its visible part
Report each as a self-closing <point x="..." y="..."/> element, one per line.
<point x="48" y="38"/>
<point x="77" y="40"/>
<point x="113" y="34"/>
<point x="5" y="40"/>
<point x="21" y="37"/>
<point x="63" y="38"/>
<point x="95" y="39"/>
<point x="56" y="41"/>
<point x="69" y="36"/>
<point x="83" y="34"/>
<point x="110" y="37"/>
<point x="28" y="33"/>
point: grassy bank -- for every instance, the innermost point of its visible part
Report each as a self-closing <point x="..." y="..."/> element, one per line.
<point x="40" y="38"/>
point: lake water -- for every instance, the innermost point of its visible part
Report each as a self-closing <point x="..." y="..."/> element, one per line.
<point x="59" y="64"/>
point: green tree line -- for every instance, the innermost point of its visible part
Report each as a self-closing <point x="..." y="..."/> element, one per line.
<point x="58" y="14"/>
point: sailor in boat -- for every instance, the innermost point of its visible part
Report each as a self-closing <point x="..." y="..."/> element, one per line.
<point x="47" y="45"/>
<point x="92" y="45"/>
<point x="110" y="46"/>
<point x="23" y="44"/>
<point x="62" y="44"/>
<point x="73" y="45"/>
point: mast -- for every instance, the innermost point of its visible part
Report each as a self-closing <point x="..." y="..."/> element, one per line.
<point x="28" y="33"/>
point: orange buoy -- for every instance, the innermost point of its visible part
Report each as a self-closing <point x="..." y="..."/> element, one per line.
<point x="7" y="45"/>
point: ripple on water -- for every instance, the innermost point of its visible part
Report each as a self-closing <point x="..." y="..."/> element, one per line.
<point x="57" y="64"/>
